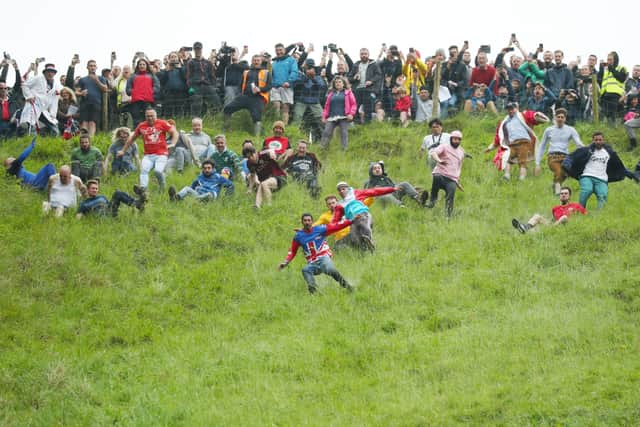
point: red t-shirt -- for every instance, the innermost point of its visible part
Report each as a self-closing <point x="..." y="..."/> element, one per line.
<point x="5" y="111"/>
<point x="478" y="75"/>
<point x="155" y="141"/>
<point x="403" y="104"/>
<point x="566" y="210"/>
<point x="278" y="143"/>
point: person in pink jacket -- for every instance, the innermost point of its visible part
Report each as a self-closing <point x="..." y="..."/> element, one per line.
<point x="339" y="110"/>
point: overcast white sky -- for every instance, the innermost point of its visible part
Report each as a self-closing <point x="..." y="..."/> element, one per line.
<point x="57" y="30"/>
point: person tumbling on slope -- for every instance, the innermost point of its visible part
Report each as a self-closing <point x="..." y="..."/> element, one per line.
<point x="515" y="139"/>
<point x="97" y="204"/>
<point x="353" y="209"/>
<point x="39" y="180"/>
<point x="561" y="213"/>
<point x="312" y="239"/>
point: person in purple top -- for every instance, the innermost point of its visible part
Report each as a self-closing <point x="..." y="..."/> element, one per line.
<point x="38" y="180"/>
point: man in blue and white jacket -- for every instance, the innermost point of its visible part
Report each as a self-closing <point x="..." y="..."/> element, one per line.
<point x="206" y="186"/>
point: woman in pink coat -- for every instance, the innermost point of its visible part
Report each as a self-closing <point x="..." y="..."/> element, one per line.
<point x="338" y="111"/>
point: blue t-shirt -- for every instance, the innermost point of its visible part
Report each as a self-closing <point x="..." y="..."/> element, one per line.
<point x="94" y="94"/>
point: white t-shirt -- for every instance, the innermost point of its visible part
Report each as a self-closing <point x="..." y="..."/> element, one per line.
<point x="430" y="142"/>
<point x="596" y="167"/>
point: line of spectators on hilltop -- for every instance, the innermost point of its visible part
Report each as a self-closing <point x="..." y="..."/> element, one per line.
<point x="395" y="85"/>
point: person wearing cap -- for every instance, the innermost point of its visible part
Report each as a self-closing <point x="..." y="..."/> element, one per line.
<point x="284" y="69"/>
<point x="308" y="92"/>
<point x="558" y="137"/>
<point x="201" y="81"/>
<point x="353" y="209"/>
<point x="542" y="99"/>
<point x="446" y="174"/>
<point x="278" y="142"/>
<point x="515" y="139"/>
<point x="41" y="95"/>
<point x="317" y="252"/>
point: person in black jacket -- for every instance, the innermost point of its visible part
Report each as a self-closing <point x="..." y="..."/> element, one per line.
<point x="595" y="167"/>
<point x="379" y="178"/>
<point x="366" y="79"/>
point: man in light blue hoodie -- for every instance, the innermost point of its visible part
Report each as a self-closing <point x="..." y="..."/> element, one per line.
<point x="284" y="74"/>
<point x="352" y="208"/>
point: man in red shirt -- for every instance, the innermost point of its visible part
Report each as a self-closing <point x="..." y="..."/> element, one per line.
<point x="156" y="149"/>
<point x="560" y="213"/>
<point x="278" y="142"/>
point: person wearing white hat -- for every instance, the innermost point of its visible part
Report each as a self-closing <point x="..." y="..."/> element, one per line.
<point x="352" y="208"/>
<point x="446" y="174"/>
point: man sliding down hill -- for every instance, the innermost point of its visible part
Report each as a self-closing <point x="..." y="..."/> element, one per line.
<point x="316" y="251"/>
<point x="38" y="180"/>
<point x="352" y="208"/>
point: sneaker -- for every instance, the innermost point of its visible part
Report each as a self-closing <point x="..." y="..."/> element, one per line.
<point x="347" y="286"/>
<point x="173" y="196"/>
<point x="429" y="204"/>
<point x="139" y="204"/>
<point x="368" y="244"/>
<point x="519" y="226"/>
<point x="312" y="290"/>
<point x="139" y="191"/>
<point x="424" y="197"/>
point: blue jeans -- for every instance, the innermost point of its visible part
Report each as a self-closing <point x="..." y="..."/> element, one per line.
<point x="41" y="179"/>
<point x="188" y="191"/>
<point x="449" y="103"/>
<point x="590" y="185"/>
<point x="322" y="265"/>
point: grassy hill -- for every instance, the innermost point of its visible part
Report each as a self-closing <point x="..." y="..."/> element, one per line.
<point x="178" y="316"/>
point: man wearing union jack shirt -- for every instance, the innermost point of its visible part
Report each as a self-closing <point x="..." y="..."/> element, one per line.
<point x="316" y="251"/>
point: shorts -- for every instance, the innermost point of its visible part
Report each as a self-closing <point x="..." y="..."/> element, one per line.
<point x="282" y="94"/>
<point x="90" y="112"/>
<point x="521" y="152"/>
<point x="554" y="160"/>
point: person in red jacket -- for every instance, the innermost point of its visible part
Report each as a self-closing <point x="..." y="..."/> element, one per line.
<point x="143" y="87"/>
<point x="402" y="105"/>
<point x="561" y="213"/>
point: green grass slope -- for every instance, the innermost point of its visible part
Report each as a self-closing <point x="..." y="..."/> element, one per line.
<point x="178" y="316"/>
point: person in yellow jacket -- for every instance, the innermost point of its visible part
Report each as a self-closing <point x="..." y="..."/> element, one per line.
<point x="341" y="237"/>
<point x="415" y="72"/>
<point x="611" y="78"/>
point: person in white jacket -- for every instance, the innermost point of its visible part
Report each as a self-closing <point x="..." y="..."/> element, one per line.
<point x="41" y="95"/>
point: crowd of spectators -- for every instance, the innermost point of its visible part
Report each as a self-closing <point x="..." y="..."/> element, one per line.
<point x="332" y="92"/>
